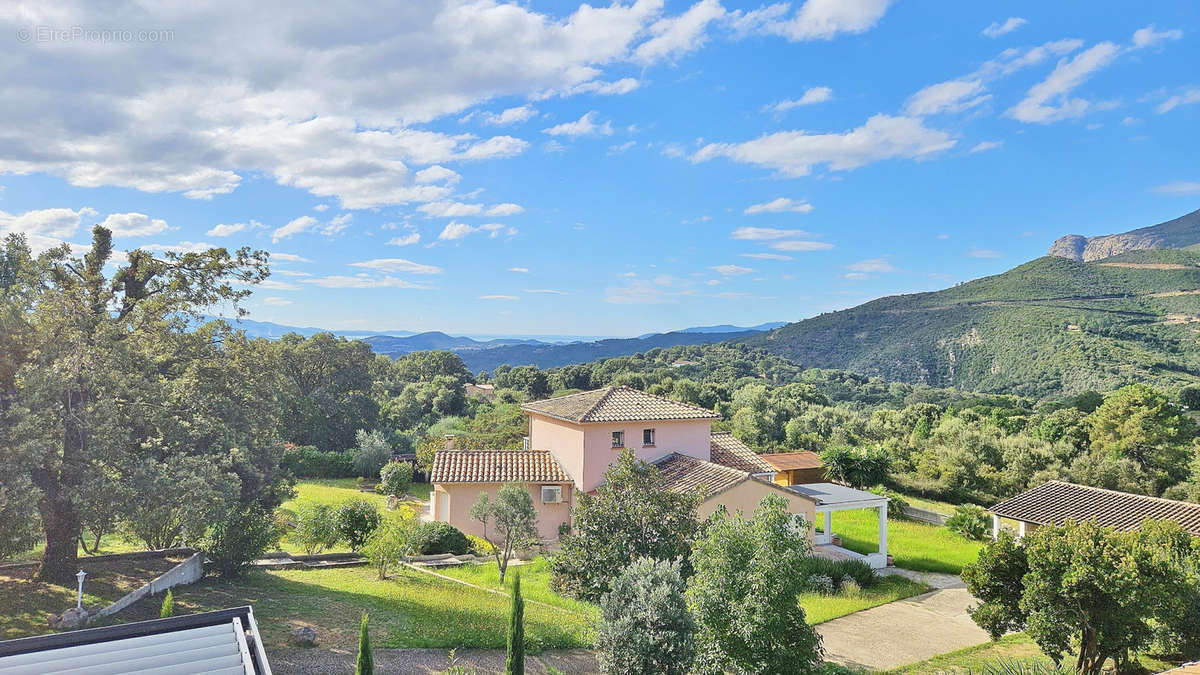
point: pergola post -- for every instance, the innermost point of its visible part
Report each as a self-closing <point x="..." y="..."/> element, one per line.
<point x="883" y="531"/>
<point x="995" y="526"/>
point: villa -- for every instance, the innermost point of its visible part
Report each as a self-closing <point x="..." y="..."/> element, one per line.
<point x="572" y="441"/>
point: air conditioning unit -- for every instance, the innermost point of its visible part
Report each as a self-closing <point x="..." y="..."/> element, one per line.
<point x="551" y="494"/>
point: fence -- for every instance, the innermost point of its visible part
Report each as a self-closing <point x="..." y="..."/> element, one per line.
<point x="925" y="516"/>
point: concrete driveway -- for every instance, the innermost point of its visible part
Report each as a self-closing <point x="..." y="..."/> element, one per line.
<point x="907" y="631"/>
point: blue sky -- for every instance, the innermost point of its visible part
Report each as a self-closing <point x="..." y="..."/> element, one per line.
<point x="552" y="168"/>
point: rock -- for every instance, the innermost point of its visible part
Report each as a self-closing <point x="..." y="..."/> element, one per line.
<point x="304" y="636"/>
<point x="69" y="620"/>
<point x="1070" y="246"/>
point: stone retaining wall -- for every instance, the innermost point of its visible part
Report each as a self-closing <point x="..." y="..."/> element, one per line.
<point x="925" y="516"/>
<point x="187" y="572"/>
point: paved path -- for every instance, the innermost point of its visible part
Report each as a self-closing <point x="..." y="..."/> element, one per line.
<point x="907" y="631"/>
<point x="297" y="661"/>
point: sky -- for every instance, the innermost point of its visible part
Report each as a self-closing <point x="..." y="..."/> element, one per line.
<point x="557" y="168"/>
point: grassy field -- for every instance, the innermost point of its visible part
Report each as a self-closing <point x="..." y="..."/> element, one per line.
<point x="821" y="608"/>
<point x="535" y="585"/>
<point x="913" y="545"/>
<point x="409" y="609"/>
<point x="1016" y="647"/>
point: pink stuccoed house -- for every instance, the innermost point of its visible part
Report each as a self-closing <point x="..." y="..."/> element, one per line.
<point x="572" y="441"/>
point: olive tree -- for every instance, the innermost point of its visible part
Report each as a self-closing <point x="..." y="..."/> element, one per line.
<point x="513" y="517"/>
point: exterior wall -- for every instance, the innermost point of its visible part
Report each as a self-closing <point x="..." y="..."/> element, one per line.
<point x="460" y="497"/>
<point x="687" y="437"/>
<point x="745" y="497"/>
<point x="585" y="450"/>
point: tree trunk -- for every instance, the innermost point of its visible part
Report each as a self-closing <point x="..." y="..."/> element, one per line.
<point x="61" y="525"/>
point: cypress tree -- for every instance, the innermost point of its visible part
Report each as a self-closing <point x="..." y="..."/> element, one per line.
<point x="168" y="606"/>
<point x="366" y="663"/>
<point x="515" y="665"/>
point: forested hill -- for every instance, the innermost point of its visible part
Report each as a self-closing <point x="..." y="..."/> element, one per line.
<point x="1050" y="327"/>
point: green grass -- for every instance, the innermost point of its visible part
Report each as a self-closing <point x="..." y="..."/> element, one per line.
<point x="409" y="609"/>
<point x="914" y="546"/>
<point x="332" y="491"/>
<point x="821" y="608"/>
<point x="1014" y="647"/>
<point x="535" y="583"/>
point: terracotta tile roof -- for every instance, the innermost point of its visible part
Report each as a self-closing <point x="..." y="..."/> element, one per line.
<point x="789" y="461"/>
<point x="617" y="404"/>
<point x="496" y="466"/>
<point x="1056" y="501"/>
<point x="683" y="473"/>
<point x="729" y="451"/>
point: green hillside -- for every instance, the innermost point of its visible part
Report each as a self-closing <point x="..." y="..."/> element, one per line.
<point x="1051" y="326"/>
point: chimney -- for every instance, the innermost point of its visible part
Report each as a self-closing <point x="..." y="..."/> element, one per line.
<point x="449" y="441"/>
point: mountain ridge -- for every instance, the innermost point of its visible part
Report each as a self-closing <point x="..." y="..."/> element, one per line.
<point x="1179" y="232"/>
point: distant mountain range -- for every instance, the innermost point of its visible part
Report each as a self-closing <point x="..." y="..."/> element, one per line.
<point x="1181" y="232"/>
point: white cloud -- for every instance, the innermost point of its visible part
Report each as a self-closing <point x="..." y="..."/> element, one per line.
<point x="872" y="266"/>
<point x="455" y="230"/>
<point x="405" y="239"/>
<point x="794" y="153"/>
<point x="273" y="285"/>
<point x="436" y="174"/>
<point x="180" y="247"/>
<point x="811" y="96"/>
<point x="621" y="148"/>
<point x="397" y="265"/>
<point x="780" y="205"/>
<point x="289" y="257"/>
<point x="505" y="209"/>
<point x="311" y="103"/>
<point x="519" y="270"/>
<point x="767" y="256"/>
<point x="223" y="230"/>
<point x="509" y="115"/>
<point x="951" y="96"/>
<point x="801" y="246"/>
<point x="675" y="36"/>
<point x="56" y="223"/>
<point x="545" y="291"/>
<point x="1050" y="100"/>
<point x="731" y="270"/>
<point x="498" y="297"/>
<point x="134" y="225"/>
<point x="984" y="146"/>
<point x="450" y="209"/>
<point x="1183" y="187"/>
<point x="584" y="126"/>
<point x="766" y="233"/>
<point x="337" y="224"/>
<point x="1148" y="36"/>
<point x="294" y="227"/>
<point x="1185" y="98"/>
<point x="983" y="253"/>
<point x="321" y="208"/>
<point x="997" y="29"/>
<point x="275" y="301"/>
<point x="815" y="20"/>
<point x="363" y="281"/>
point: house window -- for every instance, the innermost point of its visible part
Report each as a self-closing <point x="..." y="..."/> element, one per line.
<point x="618" y="439"/>
<point x="551" y="494"/>
<point x="647" y="437"/>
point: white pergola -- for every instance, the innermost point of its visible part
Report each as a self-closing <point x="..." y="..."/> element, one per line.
<point x="832" y="497"/>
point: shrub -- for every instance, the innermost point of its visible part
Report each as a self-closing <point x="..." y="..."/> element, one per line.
<point x="514" y="664"/>
<point x="821" y="583"/>
<point x="841" y="572"/>
<point x="394" y="478"/>
<point x="972" y="522"/>
<point x="481" y="546"/>
<point x="356" y="520"/>
<point x="439" y="537"/>
<point x="645" y="626"/>
<point x="239" y="538"/>
<point x="390" y="543"/>
<point x="307" y="461"/>
<point x="365" y="663"/>
<point x="316" y="527"/>
<point x="372" y="453"/>
<point x="168" y="606"/>
<point x="896" y="502"/>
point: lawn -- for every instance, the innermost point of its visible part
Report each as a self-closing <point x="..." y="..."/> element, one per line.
<point x="821" y="608"/>
<point x="535" y="585"/>
<point x="913" y="545"/>
<point x="410" y="609"/>
<point x="1016" y="647"/>
<point x="335" y="492"/>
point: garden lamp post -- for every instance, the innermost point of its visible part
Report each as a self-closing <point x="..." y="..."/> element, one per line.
<point x="79" y="598"/>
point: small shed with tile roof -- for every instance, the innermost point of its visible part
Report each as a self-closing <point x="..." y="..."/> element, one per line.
<point x="796" y="468"/>
<point x="1055" y="502"/>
